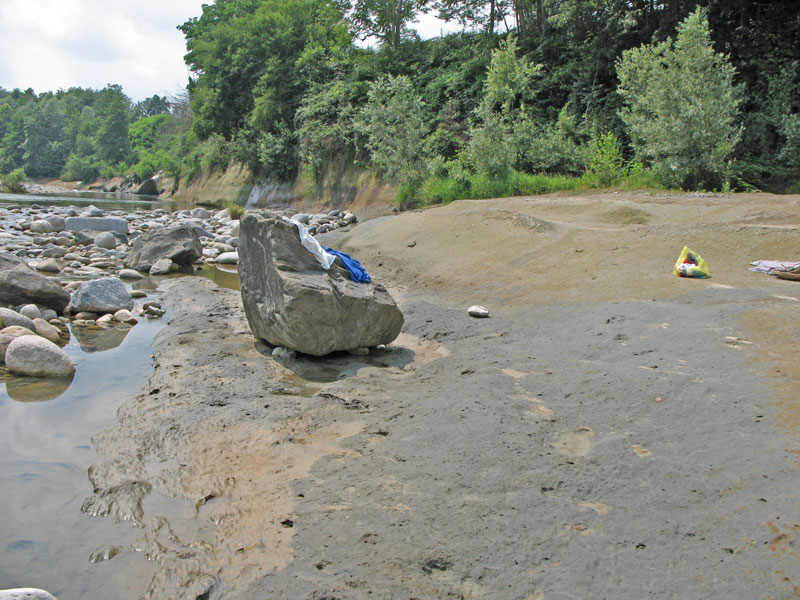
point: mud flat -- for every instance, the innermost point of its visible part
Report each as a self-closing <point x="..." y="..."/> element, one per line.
<point x="612" y="431"/>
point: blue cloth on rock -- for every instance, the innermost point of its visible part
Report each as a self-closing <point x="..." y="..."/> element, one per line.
<point x="357" y="272"/>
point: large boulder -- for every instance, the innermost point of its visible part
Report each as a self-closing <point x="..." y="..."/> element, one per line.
<point x="36" y="356"/>
<point x="104" y="295"/>
<point x="97" y="224"/>
<point x="19" y="284"/>
<point x="180" y="244"/>
<point x="291" y="301"/>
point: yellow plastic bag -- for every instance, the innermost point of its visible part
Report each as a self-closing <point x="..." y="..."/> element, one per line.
<point x="690" y="264"/>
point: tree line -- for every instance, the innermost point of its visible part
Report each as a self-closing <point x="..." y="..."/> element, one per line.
<point x="679" y="93"/>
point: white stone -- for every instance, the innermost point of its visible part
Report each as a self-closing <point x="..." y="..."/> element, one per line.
<point x="478" y="311"/>
<point x="25" y="594"/>
<point x="41" y="227"/>
<point x="36" y="356"/>
<point x="228" y="258"/>
<point x="130" y="274"/>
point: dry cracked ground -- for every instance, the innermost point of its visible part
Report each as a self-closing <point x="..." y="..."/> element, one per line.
<point x="612" y="431"/>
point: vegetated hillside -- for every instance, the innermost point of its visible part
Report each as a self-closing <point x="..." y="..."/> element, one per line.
<point x="693" y="95"/>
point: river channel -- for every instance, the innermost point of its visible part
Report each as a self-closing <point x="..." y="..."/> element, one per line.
<point x="46" y="428"/>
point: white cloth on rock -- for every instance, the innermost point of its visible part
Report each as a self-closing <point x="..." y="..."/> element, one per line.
<point x="312" y="245"/>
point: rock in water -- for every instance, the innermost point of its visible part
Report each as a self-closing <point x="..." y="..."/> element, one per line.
<point x="180" y="244"/>
<point x="19" y="284"/>
<point x="291" y="301"/>
<point x="105" y="295"/>
<point x="36" y="356"/>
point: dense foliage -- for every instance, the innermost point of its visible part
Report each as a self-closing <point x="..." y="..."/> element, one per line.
<point x="682" y="93"/>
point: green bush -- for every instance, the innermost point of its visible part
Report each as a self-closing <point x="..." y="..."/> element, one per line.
<point x="605" y="163"/>
<point x="235" y="210"/>
<point x="12" y="182"/>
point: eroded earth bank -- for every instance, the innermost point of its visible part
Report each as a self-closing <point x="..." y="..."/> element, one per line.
<point x="612" y="431"/>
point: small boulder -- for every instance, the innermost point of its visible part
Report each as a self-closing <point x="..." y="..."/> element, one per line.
<point x="97" y="224"/>
<point x="31" y="311"/>
<point x="130" y="274"/>
<point x="228" y="258"/>
<point x="104" y="295"/>
<point x="105" y="239"/>
<point x="38" y="357"/>
<point x="47" y="331"/>
<point x="48" y="265"/>
<point x="10" y="318"/>
<point x="162" y="266"/>
<point x="180" y="244"/>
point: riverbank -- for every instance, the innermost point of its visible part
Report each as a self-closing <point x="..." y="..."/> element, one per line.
<point x="611" y="430"/>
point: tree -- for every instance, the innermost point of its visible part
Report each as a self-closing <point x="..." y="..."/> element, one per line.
<point x="395" y="127"/>
<point x="508" y="90"/>
<point x="682" y="106"/>
<point x="385" y="20"/>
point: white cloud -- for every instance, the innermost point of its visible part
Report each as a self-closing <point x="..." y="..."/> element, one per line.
<point x="57" y="44"/>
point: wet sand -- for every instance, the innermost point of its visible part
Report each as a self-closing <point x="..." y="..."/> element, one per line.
<point x="612" y="431"/>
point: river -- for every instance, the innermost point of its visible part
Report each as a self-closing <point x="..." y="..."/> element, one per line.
<point x="46" y="427"/>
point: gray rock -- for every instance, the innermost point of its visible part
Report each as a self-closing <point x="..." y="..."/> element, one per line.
<point x="92" y="211"/>
<point x="47" y="331"/>
<point x="180" y="244"/>
<point x="57" y="222"/>
<point x="54" y="252"/>
<point x="48" y="314"/>
<point x="19" y="284"/>
<point x="200" y="213"/>
<point x="36" y="356"/>
<point x="10" y="317"/>
<point x="48" y="265"/>
<point x="31" y="311"/>
<point x="97" y="224"/>
<point x="105" y="239"/>
<point x="149" y="187"/>
<point x="162" y="266"/>
<point x="25" y="594"/>
<point x="104" y="295"/>
<point x="130" y="274"/>
<point x="41" y="227"/>
<point x="228" y="258"/>
<point x="291" y="301"/>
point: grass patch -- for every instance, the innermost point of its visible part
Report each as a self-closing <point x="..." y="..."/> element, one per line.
<point x="234" y="210"/>
<point x="442" y="190"/>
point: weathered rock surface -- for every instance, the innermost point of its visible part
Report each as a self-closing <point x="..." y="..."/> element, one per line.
<point x="291" y="301"/>
<point x="36" y="356"/>
<point x="97" y="224"/>
<point x="19" y="284"/>
<point x="104" y="295"/>
<point x="180" y="244"/>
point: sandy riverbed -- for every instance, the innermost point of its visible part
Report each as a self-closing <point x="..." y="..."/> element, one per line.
<point x="612" y="431"/>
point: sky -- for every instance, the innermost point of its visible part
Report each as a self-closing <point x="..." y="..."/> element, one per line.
<point x="49" y="45"/>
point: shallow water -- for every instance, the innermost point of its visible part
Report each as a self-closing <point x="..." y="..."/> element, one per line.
<point x="46" y="426"/>
<point x="45" y="449"/>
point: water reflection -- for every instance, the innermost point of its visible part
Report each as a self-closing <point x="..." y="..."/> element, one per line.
<point x="99" y="339"/>
<point x="35" y="389"/>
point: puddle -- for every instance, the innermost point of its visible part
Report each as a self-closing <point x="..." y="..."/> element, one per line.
<point x="45" y="449"/>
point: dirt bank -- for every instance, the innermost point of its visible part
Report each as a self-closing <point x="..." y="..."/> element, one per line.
<point x="612" y="431"/>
